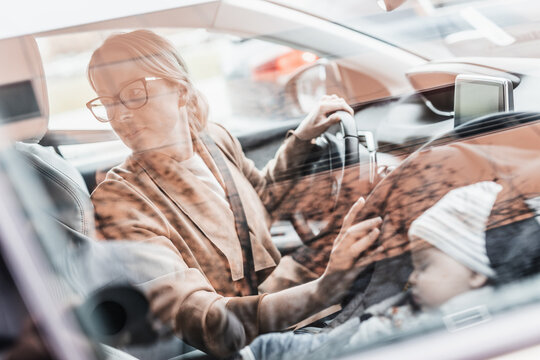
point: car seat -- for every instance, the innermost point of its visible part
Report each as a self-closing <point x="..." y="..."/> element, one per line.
<point x="482" y="125"/>
<point x="65" y="186"/>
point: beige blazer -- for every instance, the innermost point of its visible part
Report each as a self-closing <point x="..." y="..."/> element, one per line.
<point x="152" y="198"/>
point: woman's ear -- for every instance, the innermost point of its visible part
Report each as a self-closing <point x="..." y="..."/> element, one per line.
<point x="182" y="97"/>
<point x="182" y="100"/>
<point x="477" y="280"/>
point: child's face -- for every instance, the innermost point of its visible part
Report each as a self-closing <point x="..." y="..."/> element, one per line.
<point x="437" y="278"/>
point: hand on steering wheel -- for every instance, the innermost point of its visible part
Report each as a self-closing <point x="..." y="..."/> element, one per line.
<point x="319" y="119"/>
<point x="337" y="148"/>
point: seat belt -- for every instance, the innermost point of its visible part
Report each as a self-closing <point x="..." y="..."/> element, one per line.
<point x="240" y="220"/>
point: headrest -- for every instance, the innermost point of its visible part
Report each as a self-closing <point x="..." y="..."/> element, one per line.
<point x="24" y="108"/>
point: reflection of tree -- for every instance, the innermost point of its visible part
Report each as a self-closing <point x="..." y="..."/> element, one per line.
<point x="510" y="158"/>
<point x="429" y="174"/>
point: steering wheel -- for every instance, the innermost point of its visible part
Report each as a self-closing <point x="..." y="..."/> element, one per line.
<point x="352" y="148"/>
<point x="336" y="149"/>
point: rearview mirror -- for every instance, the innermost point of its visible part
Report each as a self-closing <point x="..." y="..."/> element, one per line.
<point x="389" y="5"/>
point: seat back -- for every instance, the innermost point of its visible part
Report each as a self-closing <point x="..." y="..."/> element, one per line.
<point x="495" y="122"/>
<point x="65" y="186"/>
<point x="483" y="125"/>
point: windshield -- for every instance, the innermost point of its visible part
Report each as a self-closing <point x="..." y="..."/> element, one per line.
<point x="442" y="28"/>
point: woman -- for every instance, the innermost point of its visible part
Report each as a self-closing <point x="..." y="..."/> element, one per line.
<point x="188" y="186"/>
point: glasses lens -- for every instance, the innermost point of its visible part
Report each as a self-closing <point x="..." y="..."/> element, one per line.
<point x="134" y="94"/>
<point x="103" y="109"/>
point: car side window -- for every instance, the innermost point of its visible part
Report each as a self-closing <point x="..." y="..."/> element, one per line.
<point x="243" y="80"/>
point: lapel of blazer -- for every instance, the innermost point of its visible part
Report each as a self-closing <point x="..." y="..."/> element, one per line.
<point x="195" y="199"/>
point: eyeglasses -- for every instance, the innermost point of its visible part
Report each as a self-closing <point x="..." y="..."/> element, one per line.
<point x="134" y="95"/>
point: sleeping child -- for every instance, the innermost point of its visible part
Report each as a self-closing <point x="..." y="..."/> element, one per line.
<point x="450" y="260"/>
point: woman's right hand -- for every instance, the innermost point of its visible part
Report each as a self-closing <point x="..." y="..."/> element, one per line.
<point x="353" y="240"/>
<point x="281" y="309"/>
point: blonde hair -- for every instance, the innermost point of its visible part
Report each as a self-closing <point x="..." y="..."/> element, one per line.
<point x="158" y="56"/>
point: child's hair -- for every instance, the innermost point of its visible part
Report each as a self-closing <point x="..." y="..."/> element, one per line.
<point x="158" y="56"/>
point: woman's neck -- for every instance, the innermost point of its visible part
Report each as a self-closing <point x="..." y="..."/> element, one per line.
<point x="179" y="150"/>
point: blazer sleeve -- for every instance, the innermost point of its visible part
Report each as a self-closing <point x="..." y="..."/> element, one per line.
<point x="276" y="179"/>
<point x="203" y="318"/>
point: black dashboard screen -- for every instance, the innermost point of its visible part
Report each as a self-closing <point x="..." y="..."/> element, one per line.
<point x="479" y="97"/>
<point x="18" y="102"/>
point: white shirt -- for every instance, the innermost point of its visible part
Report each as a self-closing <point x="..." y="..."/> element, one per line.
<point x="197" y="167"/>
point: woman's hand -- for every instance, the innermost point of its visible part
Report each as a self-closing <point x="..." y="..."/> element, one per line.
<point x="352" y="241"/>
<point x="284" y="308"/>
<point x="317" y="122"/>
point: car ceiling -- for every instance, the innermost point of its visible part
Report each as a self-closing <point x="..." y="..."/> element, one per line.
<point x="49" y="15"/>
<point x="259" y="19"/>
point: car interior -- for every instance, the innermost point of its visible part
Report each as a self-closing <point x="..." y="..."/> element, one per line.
<point x="455" y="101"/>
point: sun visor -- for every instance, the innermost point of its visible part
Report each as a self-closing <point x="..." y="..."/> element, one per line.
<point x="24" y="108"/>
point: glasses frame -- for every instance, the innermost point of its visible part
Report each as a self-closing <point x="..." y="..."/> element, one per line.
<point x="117" y="98"/>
